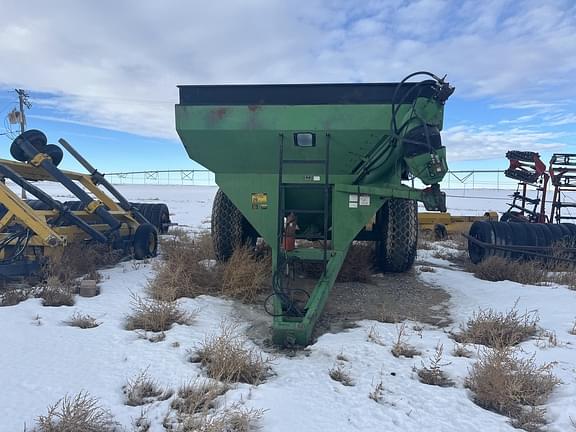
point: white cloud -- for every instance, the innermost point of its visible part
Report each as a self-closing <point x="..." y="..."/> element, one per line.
<point x="467" y="142"/>
<point x="116" y="64"/>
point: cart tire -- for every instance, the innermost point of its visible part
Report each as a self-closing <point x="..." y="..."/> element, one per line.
<point x="397" y="222"/>
<point x="145" y="242"/>
<point x="229" y="228"/>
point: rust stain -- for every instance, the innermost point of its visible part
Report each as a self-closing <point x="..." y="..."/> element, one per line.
<point x="216" y="115"/>
<point x="253" y="116"/>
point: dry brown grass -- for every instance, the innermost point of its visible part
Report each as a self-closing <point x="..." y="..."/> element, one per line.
<point x="512" y="386"/>
<point x="401" y="348"/>
<point x="460" y="350"/>
<point x="187" y="268"/>
<point x="458" y="241"/>
<point x="564" y="277"/>
<point x="377" y="392"/>
<point x="245" y="276"/>
<point x="78" y="259"/>
<point x="228" y="357"/>
<point x="141" y="423"/>
<point x="155" y="315"/>
<point x="231" y="419"/>
<point x="375" y="337"/>
<point x="76" y="413"/>
<point x="432" y="374"/>
<point x="496" y="329"/>
<point x="55" y="293"/>
<point x="389" y="316"/>
<point x="82" y="321"/>
<point x="13" y="296"/>
<point x="547" y="339"/>
<point x="497" y="269"/>
<point x="338" y="373"/>
<point x="425" y="240"/>
<point x="142" y="390"/>
<point x="198" y="396"/>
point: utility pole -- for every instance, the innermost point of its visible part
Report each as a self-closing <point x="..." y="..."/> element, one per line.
<point x="24" y="102"/>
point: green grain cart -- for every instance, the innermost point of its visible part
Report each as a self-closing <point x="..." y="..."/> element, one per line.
<point x="310" y="168"/>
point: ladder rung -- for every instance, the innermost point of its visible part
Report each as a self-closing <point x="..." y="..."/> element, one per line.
<point x="310" y="237"/>
<point x="304" y="185"/>
<point x="303" y="211"/>
<point x="303" y="161"/>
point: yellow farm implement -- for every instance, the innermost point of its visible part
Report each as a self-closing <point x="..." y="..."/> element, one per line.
<point x="445" y="223"/>
<point x="32" y="230"/>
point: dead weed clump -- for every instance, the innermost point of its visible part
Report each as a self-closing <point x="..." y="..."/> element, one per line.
<point x="82" y="321"/>
<point x="198" y="396"/>
<point x="76" y="413"/>
<point x="401" y="348"/>
<point x="13" y="296"/>
<point x="142" y="390"/>
<point x="55" y="293"/>
<point x="155" y="315"/>
<point x="79" y="259"/>
<point x="227" y="357"/>
<point x="460" y="350"/>
<point x="512" y="386"/>
<point x="187" y="268"/>
<point x="245" y="276"/>
<point x="496" y="329"/>
<point x="497" y="269"/>
<point x="564" y="277"/>
<point x="231" y="419"/>
<point x="377" y="392"/>
<point x="338" y="373"/>
<point x="433" y="373"/>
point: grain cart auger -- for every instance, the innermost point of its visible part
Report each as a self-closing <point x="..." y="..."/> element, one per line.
<point x="33" y="230"/>
<point x="318" y="162"/>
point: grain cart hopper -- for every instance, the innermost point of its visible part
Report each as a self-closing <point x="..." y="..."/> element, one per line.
<point x="33" y="230"/>
<point x="318" y="162"/>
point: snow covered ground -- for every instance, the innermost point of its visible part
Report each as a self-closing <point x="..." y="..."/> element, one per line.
<point x="41" y="359"/>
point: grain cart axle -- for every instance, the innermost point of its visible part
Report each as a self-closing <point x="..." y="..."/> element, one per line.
<point x="321" y="163"/>
<point x="33" y="230"/>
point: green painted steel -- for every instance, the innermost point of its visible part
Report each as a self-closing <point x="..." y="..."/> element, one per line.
<point x="369" y="155"/>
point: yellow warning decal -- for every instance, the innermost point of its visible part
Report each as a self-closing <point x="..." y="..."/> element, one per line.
<point x="259" y="200"/>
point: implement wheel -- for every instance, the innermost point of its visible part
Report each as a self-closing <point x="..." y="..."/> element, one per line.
<point x="34" y="137"/>
<point x="397" y="224"/>
<point x="229" y="228"/>
<point x="145" y="242"/>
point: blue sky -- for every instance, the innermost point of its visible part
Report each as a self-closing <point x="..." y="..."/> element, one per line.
<point x="104" y="74"/>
